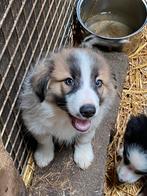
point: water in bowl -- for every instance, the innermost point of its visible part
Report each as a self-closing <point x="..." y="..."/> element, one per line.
<point x="109" y="25"/>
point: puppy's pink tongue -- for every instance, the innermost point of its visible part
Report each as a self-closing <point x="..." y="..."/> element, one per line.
<point x="81" y="125"/>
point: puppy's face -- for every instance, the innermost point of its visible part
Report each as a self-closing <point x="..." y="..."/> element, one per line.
<point x="134" y="152"/>
<point x="78" y="81"/>
<point x="133" y="164"/>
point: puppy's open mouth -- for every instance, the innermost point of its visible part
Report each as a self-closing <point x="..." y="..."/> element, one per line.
<point x="80" y="124"/>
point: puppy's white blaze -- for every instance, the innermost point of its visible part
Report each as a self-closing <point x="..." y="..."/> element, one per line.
<point x="88" y="96"/>
<point x="138" y="158"/>
<point x="84" y="95"/>
<point x="85" y="63"/>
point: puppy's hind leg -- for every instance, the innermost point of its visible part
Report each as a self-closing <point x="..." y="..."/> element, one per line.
<point x="83" y="155"/>
<point x="45" y="150"/>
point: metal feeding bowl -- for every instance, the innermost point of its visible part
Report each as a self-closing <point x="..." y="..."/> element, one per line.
<point x="114" y="23"/>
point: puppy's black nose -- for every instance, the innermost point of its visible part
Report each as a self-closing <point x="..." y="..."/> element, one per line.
<point x="87" y="110"/>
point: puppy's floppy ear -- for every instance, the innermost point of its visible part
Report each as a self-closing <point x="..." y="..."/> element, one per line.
<point x="41" y="77"/>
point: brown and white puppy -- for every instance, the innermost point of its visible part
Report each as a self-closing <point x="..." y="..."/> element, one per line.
<point x="65" y="96"/>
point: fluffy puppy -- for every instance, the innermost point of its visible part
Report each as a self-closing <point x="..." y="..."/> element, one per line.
<point x="134" y="151"/>
<point x="65" y="96"/>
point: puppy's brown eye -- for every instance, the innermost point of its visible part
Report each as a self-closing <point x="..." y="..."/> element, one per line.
<point x="98" y="83"/>
<point x="69" y="82"/>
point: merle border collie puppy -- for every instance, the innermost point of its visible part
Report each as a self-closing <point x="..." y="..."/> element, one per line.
<point x="134" y="151"/>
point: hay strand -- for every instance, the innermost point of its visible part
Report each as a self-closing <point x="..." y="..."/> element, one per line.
<point x="28" y="173"/>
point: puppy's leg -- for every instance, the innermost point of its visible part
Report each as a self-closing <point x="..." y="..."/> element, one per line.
<point x="45" y="150"/>
<point x="83" y="155"/>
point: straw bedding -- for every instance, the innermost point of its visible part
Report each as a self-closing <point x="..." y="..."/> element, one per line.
<point x="133" y="101"/>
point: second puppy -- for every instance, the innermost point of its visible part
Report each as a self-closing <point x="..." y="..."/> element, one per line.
<point x="134" y="151"/>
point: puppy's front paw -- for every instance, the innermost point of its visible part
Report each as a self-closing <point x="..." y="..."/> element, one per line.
<point x="83" y="155"/>
<point x="43" y="156"/>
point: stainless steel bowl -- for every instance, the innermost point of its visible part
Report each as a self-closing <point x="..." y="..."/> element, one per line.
<point x="130" y="13"/>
